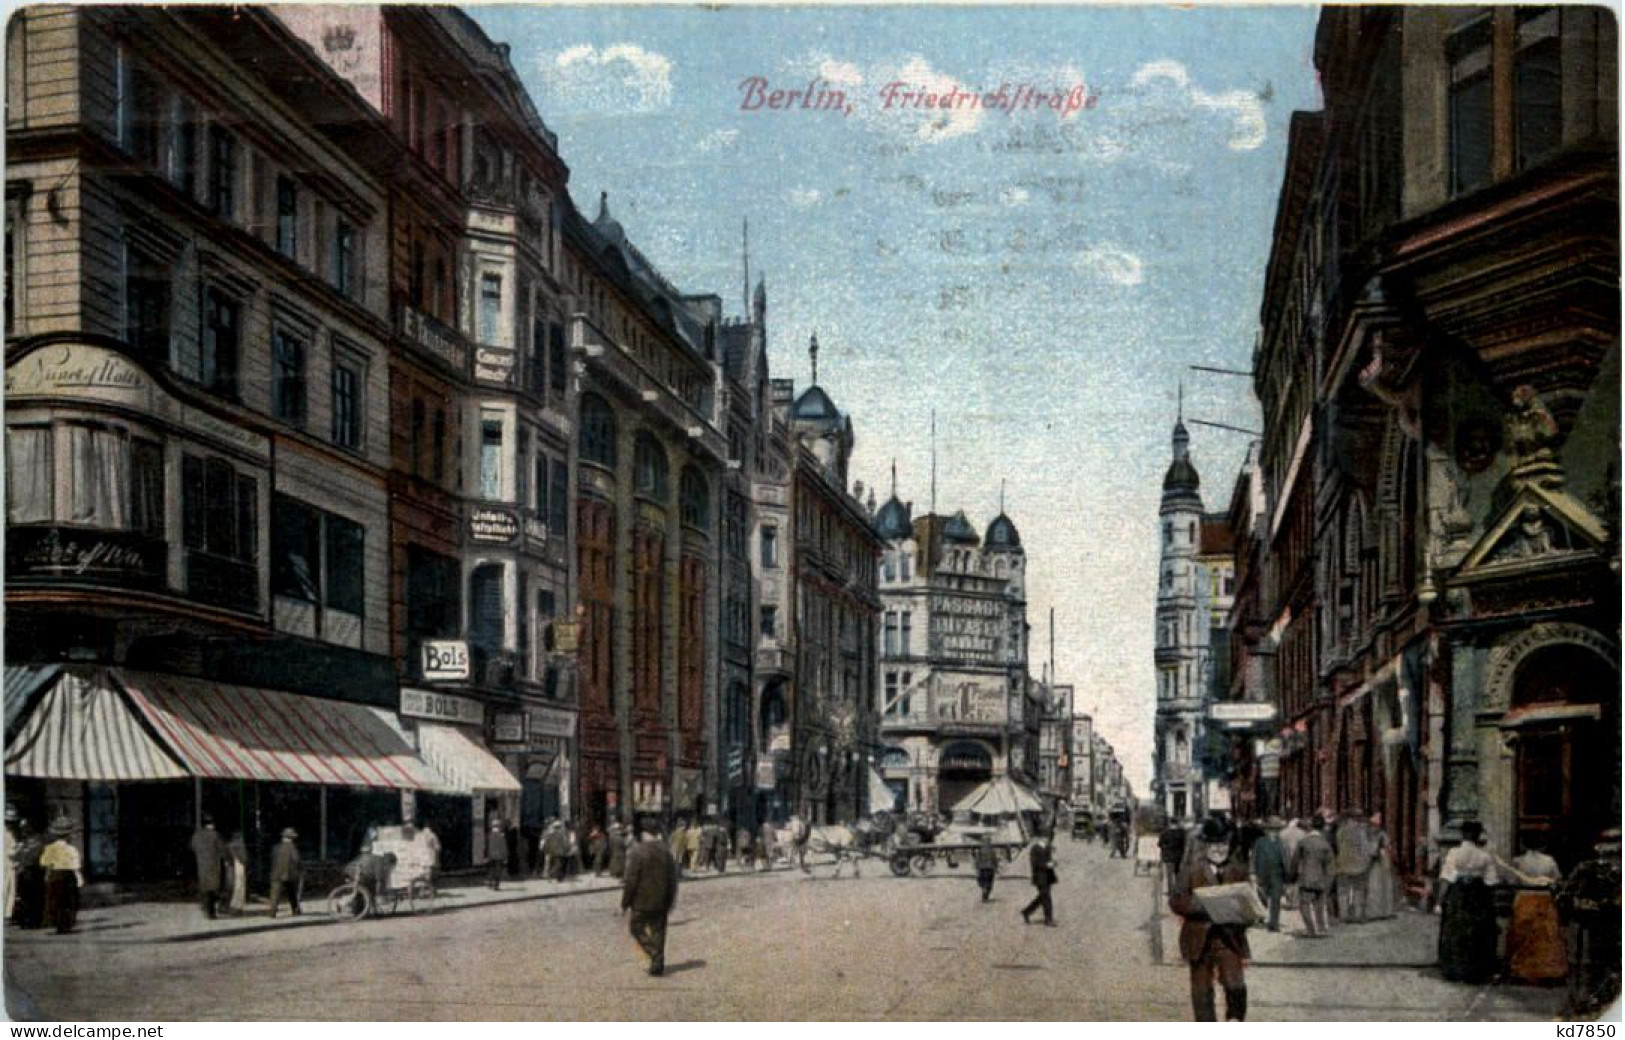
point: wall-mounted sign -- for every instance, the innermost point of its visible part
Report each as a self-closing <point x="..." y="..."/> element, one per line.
<point x="493" y="525"/>
<point x="566" y="637"/>
<point x="766" y="774"/>
<point x="441" y="707"/>
<point x="445" y="660"/>
<point x="508" y="727"/>
<point x="1241" y="711"/>
<point x="494" y="365"/>
<point x="122" y="558"/>
<point x="550" y="722"/>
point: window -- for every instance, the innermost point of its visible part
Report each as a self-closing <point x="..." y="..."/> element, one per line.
<point x="287" y="217"/>
<point x="1537" y="71"/>
<point x="296" y="550"/>
<point x="433" y="606"/>
<point x="485" y="617"/>
<point x="558" y="500"/>
<point x="541" y="487"/>
<point x="770" y="546"/>
<point x="346" y="580"/>
<point x="217" y="358"/>
<point x="180" y="146"/>
<point x="147" y="487"/>
<point x="649" y="467"/>
<point x="288" y="377"/>
<point x="536" y="363"/>
<point x="146" y="303"/>
<point x="415" y="282"/>
<point x="222" y="173"/>
<point x="440" y="445"/>
<point x="490" y="455"/>
<point x="597" y="431"/>
<point x="770" y="622"/>
<point x="220" y="528"/>
<point x="521" y="471"/>
<point x="420" y="425"/>
<point x="490" y="309"/>
<point x="890" y="565"/>
<point x="16" y="229"/>
<point x="890" y="640"/>
<point x="905" y="640"/>
<point x="1471" y="137"/>
<point x="346" y="403"/>
<point x="143" y="115"/>
<point x="557" y="367"/>
<point x="344" y="257"/>
<point x="903" y="558"/>
<point x="694" y="499"/>
<point x="123" y="98"/>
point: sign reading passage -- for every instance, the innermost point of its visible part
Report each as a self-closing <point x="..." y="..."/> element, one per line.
<point x="442" y="707"/>
<point x="445" y="660"/>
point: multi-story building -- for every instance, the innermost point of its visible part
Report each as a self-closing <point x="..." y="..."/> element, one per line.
<point x="1191" y="650"/>
<point x="1055" y="746"/>
<point x="834" y="609"/>
<point x="1245" y="711"/>
<point x="953" y="656"/>
<point x="1443" y="300"/>
<point x="1083" y="763"/>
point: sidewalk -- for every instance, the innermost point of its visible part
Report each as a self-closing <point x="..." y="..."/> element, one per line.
<point x="155" y="922"/>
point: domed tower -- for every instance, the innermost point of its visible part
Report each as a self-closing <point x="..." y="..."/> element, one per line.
<point x="1004" y="552"/>
<point x="1180" y="632"/>
<point x="820" y="425"/>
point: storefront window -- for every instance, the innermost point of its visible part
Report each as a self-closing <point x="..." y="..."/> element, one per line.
<point x="28" y="474"/>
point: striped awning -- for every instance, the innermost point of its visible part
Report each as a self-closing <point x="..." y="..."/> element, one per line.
<point x="21" y="683"/>
<point x="470" y="768"/>
<point x="227" y="732"/>
<point x="83" y="728"/>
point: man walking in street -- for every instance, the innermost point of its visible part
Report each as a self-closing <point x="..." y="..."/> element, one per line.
<point x="1312" y="869"/>
<point x="767" y="845"/>
<point x="1171" y="849"/>
<point x="286" y="872"/>
<point x="1269" y="869"/>
<point x="212" y="858"/>
<point x="987" y="864"/>
<point x="1041" y="860"/>
<point x="649" y="892"/>
<point x="1290" y="836"/>
<point x="679" y="843"/>
<point x="1212" y="949"/>
<point x="1353" y="862"/>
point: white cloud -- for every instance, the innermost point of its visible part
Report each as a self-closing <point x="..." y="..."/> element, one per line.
<point x="840" y="73"/>
<point x="622" y="76"/>
<point x="718" y="141"/>
<point x="1015" y="196"/>
<point x="1244" y="108"/>
<point x="1111" y="264"/>
<point x="804" y="198"/>
<point x="927" y="125"/>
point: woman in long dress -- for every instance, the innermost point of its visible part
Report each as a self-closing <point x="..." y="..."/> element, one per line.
<point x="239" y="873"/>
<point x="1535" y="946"/>
<point x="1467" y="929"/>
<point x="1379" y="898"/>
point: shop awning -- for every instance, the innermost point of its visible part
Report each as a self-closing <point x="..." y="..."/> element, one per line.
<point x="21" y="682"/>
<point x="81" y="728"/>
<point x="999" y="797"/>
<point x="470" y="768"/>
<point x="228" y="732"/>
<point x="881" y="796"/>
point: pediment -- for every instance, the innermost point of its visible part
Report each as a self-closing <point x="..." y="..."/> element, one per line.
<point x="1539" y="526"/>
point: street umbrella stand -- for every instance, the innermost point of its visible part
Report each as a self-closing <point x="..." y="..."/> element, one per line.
<point x="1002" y="798"/>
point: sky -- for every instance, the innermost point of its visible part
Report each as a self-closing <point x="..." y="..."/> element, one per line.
<point x="1042" y="279"/>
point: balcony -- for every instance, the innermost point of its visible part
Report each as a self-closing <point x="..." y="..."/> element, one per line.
<point x="431" y="337"/>
<point x="773" y="659"/>
<point x="610" y="358"/>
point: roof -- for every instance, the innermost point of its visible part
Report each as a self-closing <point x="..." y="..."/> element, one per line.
<point x="1002" y="533"/>
<point x="959" y="529"/>
<point x="893" y="521"/>
<point x="1217" y="539"/>
<point x="814" y="403"/>
<point x="1181" y="476"/>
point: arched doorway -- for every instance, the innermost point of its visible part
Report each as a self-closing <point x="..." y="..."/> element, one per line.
<point x="962" y="766"/>
<point x="894" y="769"/>
<point x="1564" y="727"/>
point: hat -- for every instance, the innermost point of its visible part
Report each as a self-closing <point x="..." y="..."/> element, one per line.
<point x="12" y="815"/>
<point x="61" y="827"/>
<point x="1214" y="830"/>
<point x="1273" y="823"/>
<point x="289" y="832"/>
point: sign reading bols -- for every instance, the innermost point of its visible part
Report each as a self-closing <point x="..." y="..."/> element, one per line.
<point x="445" y="660"/>
<point x="441" y="707"/>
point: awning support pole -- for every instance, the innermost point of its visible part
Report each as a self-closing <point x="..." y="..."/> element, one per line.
<point x="321" y="852"/>
<point x="197" y="803"/>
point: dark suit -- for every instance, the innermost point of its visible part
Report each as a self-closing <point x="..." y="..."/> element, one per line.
<point x="649" y="891"/>
<point x="212" y="857"/>
<point x="1042" y="862"/>
<point x="1269" y="867"/>
<point x="1211" y="948"/>
<point x="286" y="871"/>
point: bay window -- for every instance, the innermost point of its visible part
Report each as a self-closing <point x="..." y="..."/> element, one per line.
<point x="220" y="525"/>
<point x="29" y="475"/>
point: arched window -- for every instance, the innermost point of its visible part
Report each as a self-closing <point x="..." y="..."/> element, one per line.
<point x="649" y="467"/>
<point x="597" y="431"/>
<point x="694" y="499"/>
<point x="775" y="713"/>
<point x="894" y="758"/>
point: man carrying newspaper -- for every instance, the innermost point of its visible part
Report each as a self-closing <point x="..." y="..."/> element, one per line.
<point x="1218" y="903"/>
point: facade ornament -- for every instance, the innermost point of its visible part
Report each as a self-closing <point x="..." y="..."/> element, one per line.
<point x="1531" y="437"/>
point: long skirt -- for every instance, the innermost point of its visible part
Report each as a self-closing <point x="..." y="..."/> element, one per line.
<point x="1467" y="932"/>
<point x="1379" y="896"/>
<point x="239" y="887"/>
<point x="61" y="900"/>
<point x="1535" y="944"/>
<point x="29" y="911"/>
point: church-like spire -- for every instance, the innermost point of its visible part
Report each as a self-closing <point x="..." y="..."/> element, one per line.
<point x="812" y="352"/>
<point x="894" y="477"/>
<point x="745" y="246"/>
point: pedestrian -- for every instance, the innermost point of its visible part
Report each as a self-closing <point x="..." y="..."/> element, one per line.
<point x="237" y="849"/>
<point x="1171" y="850"/>
<point x="30" y="909"/>
<point x="13" y="843"/>
<point x="553" y="851"/>
<point x="287" y="872"/>
<point x="61" y="863"/>
<point x="648" y="892"/>
<point x="679" y="843"/>
<point x="1311" y="869"/>
<point x="1589" y="900"/>
<point x="1380" y="897"/>
<point x="1041" y="860"/>
<point x="1269" y="869"/>
<point x="986" y="858"/>
<point x="767" y="847"/>
<point x="719" y="846"/>
<point x="597" y="850"/>
<point x="801" y="835"/>
<point x="1211" y="949"/>
<point x="496" y="855"/>
<point x="1290" y="836"/>
<point x="572" y="853"/>
<point x="619" y="839"/>
<point x="1353" y="866"/>
<point x="1535" y="947"/>
<point x="1467" y="927"/>
<point x="213" y="860"/>
<point x="743" y="849"/>
<point x="696" y="845"/>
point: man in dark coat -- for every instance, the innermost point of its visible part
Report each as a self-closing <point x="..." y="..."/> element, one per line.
<point x="1171" y="849"/>
<point x="1212" y="949"/>
<point x="986" y="858"/>
<point x="212" y="857"/>
<point x="649" y="891"/>
<point x="618" y="841"/>
<point x="1269" y="868"/>
<point x="287" y="872"/>
<point x="1041" y="859"/>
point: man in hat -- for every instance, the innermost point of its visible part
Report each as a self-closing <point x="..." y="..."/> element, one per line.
<point x="1171" y="849"/>
<point x="496" y="854"/>
<point x="212" y="860"/>
<point x="1354" y="853"/>
<point x="1269" y="868"/>
<point x="62" y="864"/>
<point x="1212" y="949"/>
<point x="287" y="872"/>
<point x="1590" y="899"/>
<point x="648" y="892"/>
<point x="1311" y="867"/>
<point x="1041" y="862"/>
<point x="986" y="858"/>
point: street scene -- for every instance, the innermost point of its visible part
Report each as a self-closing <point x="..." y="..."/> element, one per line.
<point x="866" y="513"/>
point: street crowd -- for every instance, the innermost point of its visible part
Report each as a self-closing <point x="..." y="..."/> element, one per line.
<point x="1338" y="869"/>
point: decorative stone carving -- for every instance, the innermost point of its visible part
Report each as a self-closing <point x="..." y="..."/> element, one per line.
<point x="1531" y="436"/>
<point x="1508" y="654"/>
